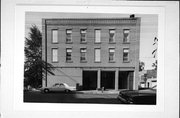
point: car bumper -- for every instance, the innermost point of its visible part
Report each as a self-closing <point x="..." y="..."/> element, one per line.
<point x="123" y="100"/>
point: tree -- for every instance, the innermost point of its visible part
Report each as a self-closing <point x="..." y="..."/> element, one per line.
<point x="35" y="67"/>
<point x="154" y="53"/>
<point x="155" y="65"/>
<point x="141" y="65"/>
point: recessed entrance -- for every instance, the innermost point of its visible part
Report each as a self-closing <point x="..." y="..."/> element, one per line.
<point x="126" y="80"/>
<point x="108" y="79"/>
<point x="89" y="80"/>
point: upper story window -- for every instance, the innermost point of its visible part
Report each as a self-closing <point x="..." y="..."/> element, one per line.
<point x="54" y="36"/>
<point x="68" y="54"/>
<point x="54" y="54"/>
<point x="126" y="55"/>
<point x="97" y="36"/>
<point x="111" y="36"/>
<point x="126" y="35"/>
<point x="83" y="35"/>
<point x="68" y="36"/>
<point x="111" y="54"/>
<point x="83" y="52"/>
<point x="97" y="55"/>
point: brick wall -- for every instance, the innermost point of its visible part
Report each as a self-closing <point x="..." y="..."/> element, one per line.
<point x="91" y="25"/>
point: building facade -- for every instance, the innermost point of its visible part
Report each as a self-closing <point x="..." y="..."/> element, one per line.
<point x="93" y="53"/>
<point x="148" y="78"/>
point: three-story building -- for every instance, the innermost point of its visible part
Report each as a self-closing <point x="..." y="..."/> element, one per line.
<point x="93" y="53"/>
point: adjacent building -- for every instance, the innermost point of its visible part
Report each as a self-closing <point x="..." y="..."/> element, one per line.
<point x="148" y="78"/>
<point x="93" y="53"/>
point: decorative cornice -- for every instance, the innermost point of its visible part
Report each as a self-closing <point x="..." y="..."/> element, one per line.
<point x="93" y="21"/>
<point x="95" y="67"/>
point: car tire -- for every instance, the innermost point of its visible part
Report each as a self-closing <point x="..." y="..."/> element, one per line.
<point x="67" y="91"/>
<point x="46" y="90"/>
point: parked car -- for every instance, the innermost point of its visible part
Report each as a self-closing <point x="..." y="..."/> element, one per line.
<point x="58" y="87"/>
<point x="145" y="96"/>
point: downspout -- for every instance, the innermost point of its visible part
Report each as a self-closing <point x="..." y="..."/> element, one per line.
<point x="46" y="51"/>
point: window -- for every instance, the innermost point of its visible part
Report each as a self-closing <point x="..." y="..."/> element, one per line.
<point x="97" y="36"/>
<point x="111" y="54"/>
<point x="125" y="54"/>
<point x="126" y="35"/>
<point x="54" y="36"/>
<point x="54" y="55"/>
<point x="83" y="55"/>
<point x="83" y="35"/>
<point x="69" y="36"/>
<point x="111" y="36"/>
<point x="97" y="55"/>
<point x="68" y="54"/>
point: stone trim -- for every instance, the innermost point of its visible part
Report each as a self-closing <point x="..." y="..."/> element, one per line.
<point x="112" y="21"/>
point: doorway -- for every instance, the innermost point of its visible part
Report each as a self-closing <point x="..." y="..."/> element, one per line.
<point x="89" y="80"/>
<point x="126" y="80"/>
<point x="108" y="79"/>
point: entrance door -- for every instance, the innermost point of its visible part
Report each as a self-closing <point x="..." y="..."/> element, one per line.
<point x="108" y="79"/>
<point x="126" y="79"/>
<point x="123" y="79"/>
<point x="89" y="80"/>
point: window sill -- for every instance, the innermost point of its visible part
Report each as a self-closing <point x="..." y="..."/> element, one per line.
<point x="112" y="42"/>
<point x="97" y="62"/>
<point x="55" y="62"/>
<point x="54" y="43"/>
<point x="126" y="61"/>
<point x="69" y="42"/>
<point x="126" y="42"/>
<point x="111" y="61"/>
<point x="83" y="61"/>
<point x="69" y="61"/>
<point x="97" y="42"/>
<point x="83" y="42"/>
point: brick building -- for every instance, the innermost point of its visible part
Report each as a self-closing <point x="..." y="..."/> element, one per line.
<point x="93" y="53"/>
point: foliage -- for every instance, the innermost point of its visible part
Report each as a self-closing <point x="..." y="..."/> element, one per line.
<point x="141" y="65"/>
<point x="154" y="53"/>
<point x="35" y="67"/>
<point x="155" y="65"/>
<point x="155" y="50"/>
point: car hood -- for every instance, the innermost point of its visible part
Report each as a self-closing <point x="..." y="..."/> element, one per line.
<point x="67" y="87"/>
<point x="71" y="88"/>
<point x="134" y="93"/>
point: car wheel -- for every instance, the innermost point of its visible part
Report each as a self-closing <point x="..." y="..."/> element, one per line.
<point x="67" y="91"/>
<point x="46" y="90"/>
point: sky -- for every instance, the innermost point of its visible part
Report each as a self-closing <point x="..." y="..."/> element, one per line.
<point x="148" y="31"/>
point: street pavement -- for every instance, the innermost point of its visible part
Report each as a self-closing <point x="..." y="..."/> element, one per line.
<point x="75" y="97"/>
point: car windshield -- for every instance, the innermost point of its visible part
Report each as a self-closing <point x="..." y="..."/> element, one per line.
<point x="65" y="85"/>
<point x="56" y="84"/>
<point x="154" y="87"/>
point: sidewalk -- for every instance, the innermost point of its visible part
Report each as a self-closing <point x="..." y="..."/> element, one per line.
<point x="99" y="92"/>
